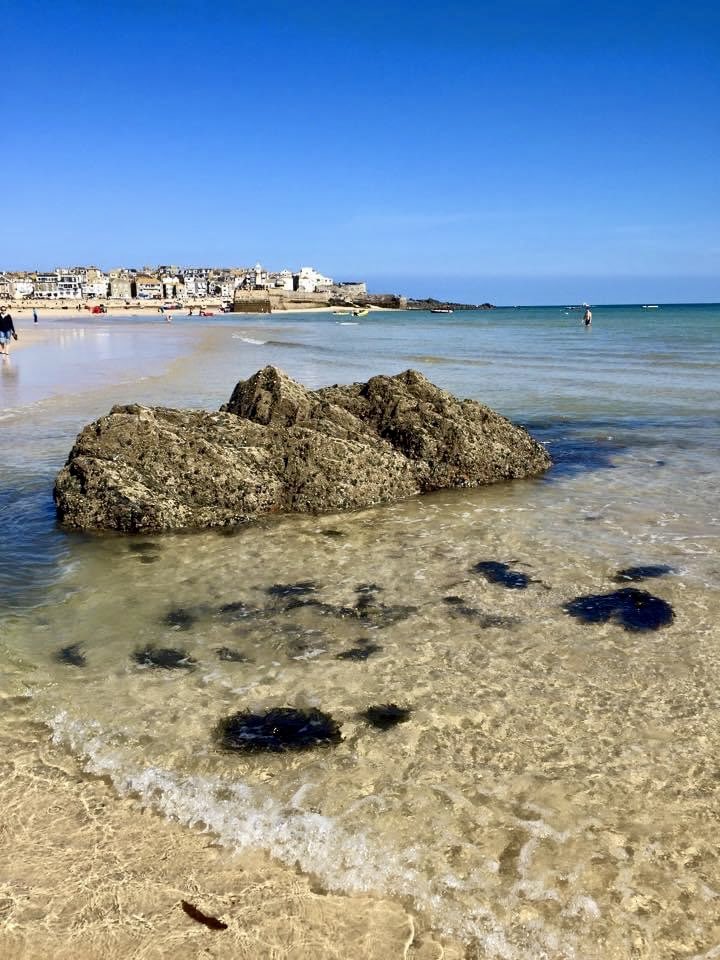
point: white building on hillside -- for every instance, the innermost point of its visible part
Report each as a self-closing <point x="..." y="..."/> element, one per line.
<point x="308" y="280"/>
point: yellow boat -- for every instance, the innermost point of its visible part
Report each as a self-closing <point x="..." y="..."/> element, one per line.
<point x="361" y="313"/>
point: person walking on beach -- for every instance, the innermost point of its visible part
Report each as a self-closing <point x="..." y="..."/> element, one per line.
<point x="34" y="315"/>
<point x="7" y="331"/>
<point x="587" y="318"/>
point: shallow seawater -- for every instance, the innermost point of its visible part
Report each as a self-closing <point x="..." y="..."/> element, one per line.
<point x="553" y="792"/>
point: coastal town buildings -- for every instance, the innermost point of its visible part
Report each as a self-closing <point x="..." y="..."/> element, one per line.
<point x="171" y="282"/>
<point x="122" y="287"/>
<point x="308" y="280"/>
<point x="148" y="287"/>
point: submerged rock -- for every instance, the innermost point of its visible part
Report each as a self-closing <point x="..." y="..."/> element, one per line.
<point x="643" y="572"/>
<point x="386" y="715"/>
<point x="277" y="730"/>
<point x="166" y="658"/>
<point x="631" y="608"/>
<point x="277" y="447"/>
<point x="496" y="572"/>
<point x="72" y="655"/>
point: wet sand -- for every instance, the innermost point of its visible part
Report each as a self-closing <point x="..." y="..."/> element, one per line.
<point x="87" y="875"/>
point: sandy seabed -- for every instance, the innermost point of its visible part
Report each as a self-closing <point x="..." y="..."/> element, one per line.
<point x="85" y="875"/>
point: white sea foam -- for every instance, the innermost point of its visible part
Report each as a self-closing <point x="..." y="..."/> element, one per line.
<point x="241" y="816"/>
<point x="258" y="343"/>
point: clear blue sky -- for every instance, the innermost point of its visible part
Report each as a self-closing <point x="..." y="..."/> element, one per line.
<point x="532" y="151"/>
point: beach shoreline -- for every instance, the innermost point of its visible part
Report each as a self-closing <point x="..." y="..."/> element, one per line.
<point x="87" y="874"/>
<point x="71" y="310"/>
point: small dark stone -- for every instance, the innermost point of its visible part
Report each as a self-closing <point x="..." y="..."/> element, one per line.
<point x="300" y="589"/>
<point x="359" y="652"/>
<point x="72" y="655"/>
<point x="496" y="572"/>
<point x="277" y="730"/>
<point x="386" y="715"/>
<point x="332" y="533"/>
<point x="453" y="600"/>
<point x="142" y="547"/>
<point x="180" y="617"/>
<point x="631" y="608"/>
<point x="231" y="656"/>
<point x="165" y="657"/>
<point x="643" y="573"/>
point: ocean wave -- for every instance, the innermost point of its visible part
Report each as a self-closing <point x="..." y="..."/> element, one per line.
<point x="259" y="343"/>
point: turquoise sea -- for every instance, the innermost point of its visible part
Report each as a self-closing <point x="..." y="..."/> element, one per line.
<point x="554" y="793"/>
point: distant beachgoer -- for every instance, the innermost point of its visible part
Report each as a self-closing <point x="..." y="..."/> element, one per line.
<point x="7" y="332"/>
<point x="587" y="317"/>
<point x="34" y="315"/>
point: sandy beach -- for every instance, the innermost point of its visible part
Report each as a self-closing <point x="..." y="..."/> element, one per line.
<point x="49" y="310"/>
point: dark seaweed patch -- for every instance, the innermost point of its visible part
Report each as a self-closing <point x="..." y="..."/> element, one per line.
<point x="334" y="534"/>
<point x="72" y="655"/>
<point x="166" y="658"/>
<point x="300" y="589"/>
<point x="180" y="618"/>
<point x="643" y="572"/>
<point x="458" y="608"/>
<point x="361" y="652"/>
<point x="367" y="589"/>
<point x="369" y="612"/>
<point x="631" y="608"/>
<point x="237" y="610"/>
<point x="386" y="715"/>
<point x="148" y="558"/>
<point x="381" y="615"/>
<point x="277" y="730"/>
<point x="496" y="572"/>
<point x="231" y="656"/>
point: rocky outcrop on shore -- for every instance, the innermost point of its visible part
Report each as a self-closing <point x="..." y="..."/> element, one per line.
<point x="277" y="447"/>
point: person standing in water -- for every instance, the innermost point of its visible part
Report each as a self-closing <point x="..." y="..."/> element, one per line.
<point x="7" y="331"/>
<point x="587" y="318"/>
